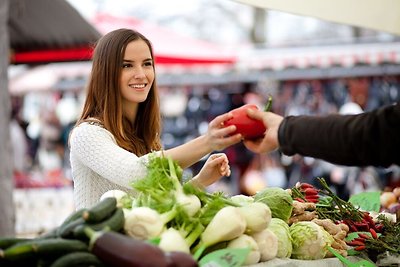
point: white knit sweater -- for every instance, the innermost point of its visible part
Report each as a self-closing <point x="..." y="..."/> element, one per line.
<point x="99" y="164"/>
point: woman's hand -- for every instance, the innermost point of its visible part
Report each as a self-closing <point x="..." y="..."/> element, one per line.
<point x="219" y="136"/>
<point x="216" y="166"/>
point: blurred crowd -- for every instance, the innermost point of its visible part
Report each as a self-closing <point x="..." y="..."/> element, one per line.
<point x="252" y="172"/>
<point x="40" y="125"/>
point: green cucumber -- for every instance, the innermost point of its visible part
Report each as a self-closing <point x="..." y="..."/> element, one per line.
<point x="66" y="231"/>
<point x="100" y="211"/>
<point x="6" y="242"/>
<point x="50" y="234"/>
<point x="115" y="223"/>
<point x="73" y="216"/>
<point x="42" y="247"/>
<point x="77" y="259"/>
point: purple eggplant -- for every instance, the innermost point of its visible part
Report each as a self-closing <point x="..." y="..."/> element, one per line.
<point x="118" y="250"/>
<point x="180" y="259"/>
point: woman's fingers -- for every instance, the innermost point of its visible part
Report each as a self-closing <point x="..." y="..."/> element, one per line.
<point x="218" y="121"/>
<point x="222" y="160"/>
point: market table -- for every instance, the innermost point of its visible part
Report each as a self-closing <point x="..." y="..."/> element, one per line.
<point x="328" y="262"/>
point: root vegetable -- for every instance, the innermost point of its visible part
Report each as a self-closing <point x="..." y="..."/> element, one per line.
<point x="144" y="223"/>
<point x="306" y="216"/>
<point x="301" y="207"/>
<point x="172" y="240"/>
<point x="246" y="241"/>
<point x="257" y="216"/>
<point x="387" y="198"/>
<point x="227" y="224"/>
<point x="267" y="243"/>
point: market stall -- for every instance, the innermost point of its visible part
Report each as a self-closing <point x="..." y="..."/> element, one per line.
<point x="170" y="221"/>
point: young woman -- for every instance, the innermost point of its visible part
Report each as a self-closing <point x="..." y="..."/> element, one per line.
<point x="121" y="123"/>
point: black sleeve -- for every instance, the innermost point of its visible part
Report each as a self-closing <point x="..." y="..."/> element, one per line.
<point x="368" y="139"/>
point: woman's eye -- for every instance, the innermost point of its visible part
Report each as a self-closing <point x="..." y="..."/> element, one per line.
<point x="126" y="65"/>
<point x="148" y="64"/>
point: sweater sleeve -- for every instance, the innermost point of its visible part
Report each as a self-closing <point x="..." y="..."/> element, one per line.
<point x="371" y="138"/>
<point x="96" y="148"/>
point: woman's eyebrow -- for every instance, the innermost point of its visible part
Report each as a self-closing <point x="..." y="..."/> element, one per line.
<point x="128" y="60"/>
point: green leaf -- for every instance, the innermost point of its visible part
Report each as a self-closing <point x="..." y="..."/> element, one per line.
<point x="368" y="201"/>
<point x="353" y="235"/>
<point x="227" y="257"/>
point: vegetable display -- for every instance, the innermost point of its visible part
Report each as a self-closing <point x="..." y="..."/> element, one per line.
<point x="172" y="223"/>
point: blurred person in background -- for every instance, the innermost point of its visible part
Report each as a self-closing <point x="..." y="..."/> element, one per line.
<point x="367" y="139"/>
<point x="121" y="124"/>
<point x="19" y="140"/>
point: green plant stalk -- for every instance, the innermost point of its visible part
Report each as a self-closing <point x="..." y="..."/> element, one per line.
<point x="195" y="234"/>
<point x="346" y="208"/>
<point x="268" y="106"/>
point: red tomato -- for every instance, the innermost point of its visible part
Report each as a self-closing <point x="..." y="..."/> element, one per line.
<point x="248" y="127"/>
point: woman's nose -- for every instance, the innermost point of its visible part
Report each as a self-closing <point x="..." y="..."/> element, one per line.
<point x="139" y="73"/>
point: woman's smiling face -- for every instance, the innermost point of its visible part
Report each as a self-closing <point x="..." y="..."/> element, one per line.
<point x="137" y="74"/>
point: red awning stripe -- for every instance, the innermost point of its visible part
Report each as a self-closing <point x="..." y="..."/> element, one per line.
<point x="55" y="55"/>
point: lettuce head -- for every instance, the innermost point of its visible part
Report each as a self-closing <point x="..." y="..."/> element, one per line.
<point x="278" y="200"/>
<point x="281" y="229"/>
<point x="310" y="241"/>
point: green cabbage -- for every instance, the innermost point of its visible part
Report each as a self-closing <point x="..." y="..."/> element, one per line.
<point x="278" y="200"/>
<point x="281" y="229"/>
<point x="310" y="241"/>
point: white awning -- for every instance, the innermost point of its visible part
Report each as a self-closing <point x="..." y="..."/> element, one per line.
<point x="380" y="15"/>
<point x="347" y="56"/>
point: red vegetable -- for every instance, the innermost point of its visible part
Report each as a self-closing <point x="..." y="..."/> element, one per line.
<point x="364" y="236"/>
<point x="314" y="199"/>
<point x="306" y="185"/>
<point x="248" y="127"/>
<point x="355" y="243"/>
<point x="299" y="199"/>
<point x="310" y="191"/>
<point x="359" y="248"/>
<point x="373" y="233"/>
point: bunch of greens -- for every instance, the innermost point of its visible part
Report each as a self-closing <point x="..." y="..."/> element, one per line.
<point x="330" y="206"/>
<point x="387" y="241"/>
<point x="166" y="208"/>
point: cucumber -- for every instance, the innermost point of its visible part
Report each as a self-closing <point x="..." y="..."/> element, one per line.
<point x="51" y="234"/>
<point x="42" y="247"/>
<point x="77" y="259"/>
<point x="100" y="211"/>
<point x="73" y="216"/>
<point x="115" y="223"/>
<point x="66" y="231"/>
<point x="6" y="242"/>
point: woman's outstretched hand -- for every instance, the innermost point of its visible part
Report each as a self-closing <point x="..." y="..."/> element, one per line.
<point x="219" y="136"/>
<point x="216" y="166"/>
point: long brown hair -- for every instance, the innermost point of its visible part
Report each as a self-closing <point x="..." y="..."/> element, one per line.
<point x="104" y="100"/>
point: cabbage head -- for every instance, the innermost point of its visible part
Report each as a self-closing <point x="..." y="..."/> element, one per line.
<point x="278" y="200"/>
<point x="310" y="241"/>
<point x="281" y="229"/>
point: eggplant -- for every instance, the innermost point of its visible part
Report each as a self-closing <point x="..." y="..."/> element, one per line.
<point x="118" y="250"/>
<point x="180" y="259"/>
